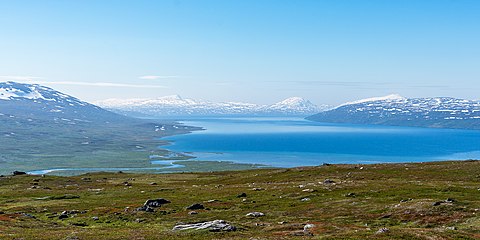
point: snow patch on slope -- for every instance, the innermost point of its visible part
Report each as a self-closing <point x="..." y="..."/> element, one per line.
<point x="391" y="97"/>
<point x="9" y="92"/>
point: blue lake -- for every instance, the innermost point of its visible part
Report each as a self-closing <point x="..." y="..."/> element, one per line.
<point x="289" y="142"/>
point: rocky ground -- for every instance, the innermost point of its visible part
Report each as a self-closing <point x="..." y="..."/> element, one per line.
<point x="439" y="200"/>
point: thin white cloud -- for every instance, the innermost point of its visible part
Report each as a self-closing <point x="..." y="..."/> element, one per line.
<point x="40" y="80"/>
<point x="155" y="77"/>
<point x="101" y="84"/>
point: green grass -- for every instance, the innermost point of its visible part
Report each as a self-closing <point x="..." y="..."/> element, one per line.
<point x="376" y="203"/>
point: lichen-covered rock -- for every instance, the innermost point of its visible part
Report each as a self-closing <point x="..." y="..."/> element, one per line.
<point x="213" y="226"/>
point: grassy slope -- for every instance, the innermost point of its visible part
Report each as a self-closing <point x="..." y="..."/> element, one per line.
<point x="379" y="191"/>
<point x="43" y="144"/>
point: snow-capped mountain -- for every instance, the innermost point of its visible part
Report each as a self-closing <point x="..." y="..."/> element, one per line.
<point x="178" y="106"/>
<point x="32" y="101"/>
<point x="441" y="112"/>
<point x="293" y="104"/>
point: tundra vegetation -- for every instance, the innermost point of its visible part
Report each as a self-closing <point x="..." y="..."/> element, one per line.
<point x="439" y="200"/>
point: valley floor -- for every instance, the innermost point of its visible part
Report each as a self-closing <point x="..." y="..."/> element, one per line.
<point x="436" y="200"/>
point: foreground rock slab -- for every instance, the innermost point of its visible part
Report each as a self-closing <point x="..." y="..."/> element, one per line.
<point x="213" y="226"/>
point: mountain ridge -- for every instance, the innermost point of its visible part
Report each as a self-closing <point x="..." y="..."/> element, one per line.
<point x="176" y="105"/>
<point x="435" y="112"/>
<point x="35" y="101"/>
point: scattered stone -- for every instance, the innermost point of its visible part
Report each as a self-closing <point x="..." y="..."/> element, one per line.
<point x="86" y="179"/>
<point x="305" y="199"/>
<point x="328" y="181"/>
<point x="63" y="216"/>
<point x="192" y="213"/>
<point x="127" y="184"/>
<point x="213" y="226"/>
<point x="79" y="224"/>
<point x="386" y="216"/>
<point x="451" y="228"/>
<point x="449" y="200"/>
<point x="95" y="218"/>
<point x="258" y="189"/>
<point x="350" y="194"/>
<point x="18" y="173"/>
<point x="139" y="220"/>
<point x="96" y="189"/>
<point x="156" y="202"/>
<point x="35" y="180"/>
<point x="307" y="227"/>
<point x="241" y="195"/>
<point x="145" y="209"/>
<point x="29" y="215"/>
<point x="212" y="200"/>
<point x="195" y="206"/>
<point x="153" y="183"/>
<point x="406" y="200"/>
<point x="308" y="190"/>
<point x="282" y="222"/>
<point x="71" y="212"/>
<point x="383" y="230"/>
<point x="255" y="214"/>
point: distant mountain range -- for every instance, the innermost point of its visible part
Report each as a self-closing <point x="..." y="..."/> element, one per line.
<point x="24" y="106"/>
<point x="437" y="112"/>
<point x="178" y="106"/>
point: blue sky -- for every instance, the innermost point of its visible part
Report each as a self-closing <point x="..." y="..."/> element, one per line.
<point x="250" y="50"/>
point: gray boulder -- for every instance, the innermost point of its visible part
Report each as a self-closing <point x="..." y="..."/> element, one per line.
<point x="196" y="206"/>
<point x="151" y="204"/>
<point x="156" y="202"/>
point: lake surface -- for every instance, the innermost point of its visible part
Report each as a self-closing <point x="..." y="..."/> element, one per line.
<point x="290" y="142"/>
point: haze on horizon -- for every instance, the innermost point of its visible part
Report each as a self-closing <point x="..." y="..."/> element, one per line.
<point x="252" y="51"/>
